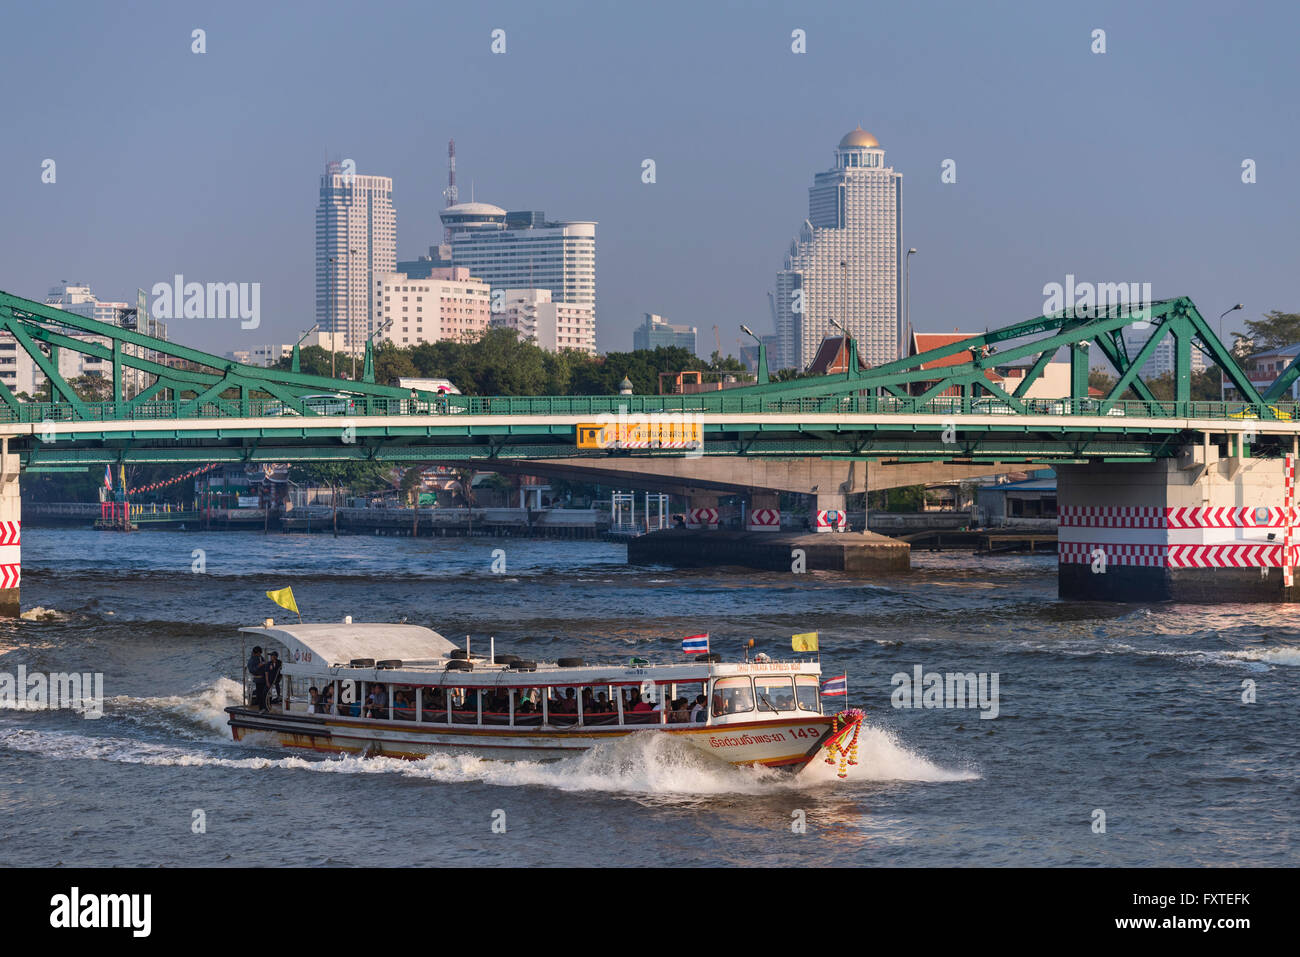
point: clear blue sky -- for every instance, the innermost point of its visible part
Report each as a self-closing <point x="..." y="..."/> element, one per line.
<point x="1117" y="167"/>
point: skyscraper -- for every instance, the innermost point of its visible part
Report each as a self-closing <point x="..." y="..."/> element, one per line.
<point x="356" y="244"/>
<point x="657" y="331"/>
<point x="523" y="250"/>
<point x="845" y="263"/>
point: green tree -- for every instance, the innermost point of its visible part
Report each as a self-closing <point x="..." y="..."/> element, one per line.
<point x="393" y="363"/>
<point x="1275" y="330"/>
<point x="1101" y="380"/>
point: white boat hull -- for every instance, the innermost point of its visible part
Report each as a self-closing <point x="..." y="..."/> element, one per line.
<point x="773" y="742"/>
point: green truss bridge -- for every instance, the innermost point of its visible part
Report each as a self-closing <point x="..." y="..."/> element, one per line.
<point x="1186" y="498"/>
<point x="190" y="406"/>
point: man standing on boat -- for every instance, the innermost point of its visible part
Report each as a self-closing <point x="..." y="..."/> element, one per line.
<point x="273" y="667"/>
<point x="257" y="669"/>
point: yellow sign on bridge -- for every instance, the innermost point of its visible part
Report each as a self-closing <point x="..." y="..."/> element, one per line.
<point x="642" y="432"/>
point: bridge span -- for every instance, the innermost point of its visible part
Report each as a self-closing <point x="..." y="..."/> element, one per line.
<point x="1186" y="498"/>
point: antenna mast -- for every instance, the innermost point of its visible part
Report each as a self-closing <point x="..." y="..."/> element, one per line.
<point x="450" y="193"/>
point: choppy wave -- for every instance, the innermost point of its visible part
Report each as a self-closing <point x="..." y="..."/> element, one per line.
<point x="1270" y="656"/>
<point x="43" y="614"/>
<point x="205" y="708"/>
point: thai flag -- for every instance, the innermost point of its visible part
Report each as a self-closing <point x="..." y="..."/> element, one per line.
<point x="835" y="686"/>
<point x="108" y="477"/>
<point x="696" y="644"/>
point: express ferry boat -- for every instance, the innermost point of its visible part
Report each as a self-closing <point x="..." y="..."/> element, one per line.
<point x="406" y="691"/>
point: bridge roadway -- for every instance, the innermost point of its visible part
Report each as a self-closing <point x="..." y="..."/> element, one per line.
<point x="893" y="437"/>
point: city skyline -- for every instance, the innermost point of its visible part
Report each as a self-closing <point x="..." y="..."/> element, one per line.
<point x="1071" y="175"/>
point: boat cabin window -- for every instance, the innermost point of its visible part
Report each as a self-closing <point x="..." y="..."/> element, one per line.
<point x="732" y="696"/>
<point x="692" y="701"/>
<point x="433" y="704"/>
<point x="806" y="685"/>
<point x="403" y="702"/>
<point x="774" y="693"/>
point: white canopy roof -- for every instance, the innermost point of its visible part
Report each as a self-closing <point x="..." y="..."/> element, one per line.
<point x="332" y="644"/>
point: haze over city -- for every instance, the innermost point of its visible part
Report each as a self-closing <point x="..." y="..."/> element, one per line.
<point x="1123" y="166"/>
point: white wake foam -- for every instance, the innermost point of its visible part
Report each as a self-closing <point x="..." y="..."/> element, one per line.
<point x="1268" y="656"/>
<point x="651" y="764"/>
<point x="43" y="614"/>
<point x="206" y="707"/>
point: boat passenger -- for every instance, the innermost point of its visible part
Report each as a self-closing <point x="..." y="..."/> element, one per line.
<point x="313" y="702"/>
<point x="404" y="705"/>
<point x="643" y="706"/>
<point x="378" y="700"/>
<point x="273" y="677"/>
<point x="697" y="709"/>
<point x="680" y="714"/>
<point x="326" y="700"/>
<point x="602" y="705"/>
<point x="257" y="669"/>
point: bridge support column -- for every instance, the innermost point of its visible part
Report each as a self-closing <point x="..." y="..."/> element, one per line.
<point x="764" y="512"/>
<point x="10" y="526"/>
<point x="703" y="512"/>
<point x="1199" y="528"/>
<point x="831" y="513"/>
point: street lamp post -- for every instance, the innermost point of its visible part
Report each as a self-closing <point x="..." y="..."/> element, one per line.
<point x="907" y="308"/>
<point x="352" y="337"/>
<point x="762" y="374"/>
<point x="1222" y="379"/>
<point x="294" y="365"/>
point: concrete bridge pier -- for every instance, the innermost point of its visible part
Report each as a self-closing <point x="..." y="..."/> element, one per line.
<point x="1210" y="526"/>
<point x="10" y="528"/>
<point x="831" y="512"/>
<point x="764" y="513"/>
<point x="703" y="511"/>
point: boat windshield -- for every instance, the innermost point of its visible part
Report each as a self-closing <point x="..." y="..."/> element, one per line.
<point x="775" y="693"/>
<point x="806" y="685"/>
<point x="732" y="696"/>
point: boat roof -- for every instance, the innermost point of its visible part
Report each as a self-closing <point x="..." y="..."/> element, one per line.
<point x="338" y="644"/>
<point x="423" y="653"/>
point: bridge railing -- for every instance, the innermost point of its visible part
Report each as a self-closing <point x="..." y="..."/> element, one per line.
<point x="594" y="407"/>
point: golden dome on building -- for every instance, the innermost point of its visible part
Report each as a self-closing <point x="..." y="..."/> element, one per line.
<point x="859" y="139"/>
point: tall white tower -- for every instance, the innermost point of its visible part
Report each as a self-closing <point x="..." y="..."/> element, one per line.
<point x="845" y="263"/>
<point x="356" y="244"/>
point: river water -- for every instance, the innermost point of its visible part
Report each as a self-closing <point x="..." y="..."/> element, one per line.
<point x="1127" y="711"/>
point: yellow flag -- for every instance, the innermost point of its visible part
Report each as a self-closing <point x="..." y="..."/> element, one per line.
<point x="284" y="598"/>
<point x="805" y="642"/>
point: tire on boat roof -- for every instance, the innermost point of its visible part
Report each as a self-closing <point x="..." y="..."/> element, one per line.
<point x="389" y="663"/>
<point x="459" y="664"/>
<point x="570" y="662"/>
<point x="505" y="659"/>
<point x="458" y="654"/>
<point x="711" y="656"/>
<point x="519" y="664"/>
<point x="361" y="663"/>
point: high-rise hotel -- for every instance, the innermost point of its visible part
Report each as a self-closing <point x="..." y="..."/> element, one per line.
<point x="845" y="263"/>
<point x="523" y="250"/>
<point x="356" y="245"/>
